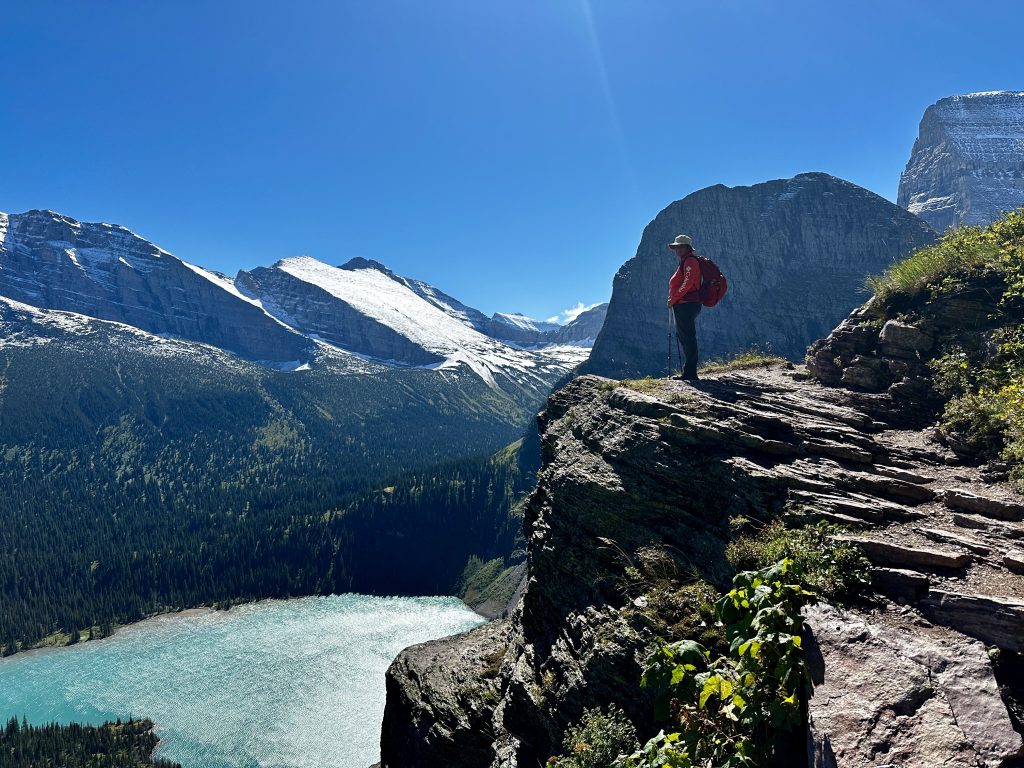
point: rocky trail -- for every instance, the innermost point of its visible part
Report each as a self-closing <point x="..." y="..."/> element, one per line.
<point x="945" y="537"/>
<point x="946" y="544"/>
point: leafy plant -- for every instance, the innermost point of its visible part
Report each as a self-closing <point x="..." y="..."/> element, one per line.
<point x="736" y="710"/>
<point x="597" y="740"/>
<point x="829" y="566"/>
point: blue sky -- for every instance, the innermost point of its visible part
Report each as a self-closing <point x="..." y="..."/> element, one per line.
<point x="509" y="153"/>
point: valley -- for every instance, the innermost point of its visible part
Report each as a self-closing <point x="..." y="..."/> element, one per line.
<point x="244" y="502"/>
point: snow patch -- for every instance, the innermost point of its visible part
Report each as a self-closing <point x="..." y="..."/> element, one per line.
<point x="517" y="320"/>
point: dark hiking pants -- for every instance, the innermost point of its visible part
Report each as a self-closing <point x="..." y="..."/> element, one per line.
<point x="686" y="328"/>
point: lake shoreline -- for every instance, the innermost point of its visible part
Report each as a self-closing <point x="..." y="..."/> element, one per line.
<point x="298" y="682"/>
<point x="46" y="644"/>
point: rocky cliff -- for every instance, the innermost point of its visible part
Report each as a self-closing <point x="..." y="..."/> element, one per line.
<point x="642" y="479"/>
<point x="967" y="164"/>
<point x="795" y="251"/>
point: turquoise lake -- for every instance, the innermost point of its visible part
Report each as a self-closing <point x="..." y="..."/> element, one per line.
<point x="275" y="684"/>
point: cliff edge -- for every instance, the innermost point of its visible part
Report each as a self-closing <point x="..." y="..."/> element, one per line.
<point x="648" y="478"/>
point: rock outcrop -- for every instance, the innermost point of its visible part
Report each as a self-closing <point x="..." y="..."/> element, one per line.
<point x="796" y="253"/>
<point x="967" y="164"/>
<point x="642" y="479"/>
<point x="871" y="351"/>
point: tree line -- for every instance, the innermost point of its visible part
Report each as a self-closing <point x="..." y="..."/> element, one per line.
<point x="111" y="745"/>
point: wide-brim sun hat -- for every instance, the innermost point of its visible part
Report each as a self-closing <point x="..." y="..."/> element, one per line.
<point x="681" y="240"/>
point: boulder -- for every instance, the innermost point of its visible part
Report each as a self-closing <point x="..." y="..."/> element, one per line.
<point x="1002" y="509"/>
<point x="900" y="583"/>
<point x="867" y="373"/>
<point x="887" y="553"/>
<point x="904" y="340"/>
<point x="895" y="696"/>
<point x="1014" y="561"/>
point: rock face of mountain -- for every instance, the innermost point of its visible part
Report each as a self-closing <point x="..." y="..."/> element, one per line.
<point x="967" y="164"/>
<point x="105" y="271"/>
<point x="795" y="251"/>
<point x="642" y="479"/>
<point x="311" y="296"/>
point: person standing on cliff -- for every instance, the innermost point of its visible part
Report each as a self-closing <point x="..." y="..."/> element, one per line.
<point x="684" y="299"/>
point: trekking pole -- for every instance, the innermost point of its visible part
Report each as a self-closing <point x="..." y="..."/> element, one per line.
<point x="668" y="370"/>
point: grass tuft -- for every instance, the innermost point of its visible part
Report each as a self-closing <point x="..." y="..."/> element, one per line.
<point x="647" y="384"/>
<point x="754" y="357"/>
<point x="956" y="254"/>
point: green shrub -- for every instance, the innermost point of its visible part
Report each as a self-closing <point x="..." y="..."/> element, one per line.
<point x="737" y="709"/>
<point x="984" y="382"/>
<point x="953" y="372"/>
<point x="830" y="567"/>
<point x="597" y="740"/>
<point x="977" y="423"/>
<point x="687" y="611"/>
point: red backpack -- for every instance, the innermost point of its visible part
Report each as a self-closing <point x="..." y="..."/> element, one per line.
<point x="713" y="284"/>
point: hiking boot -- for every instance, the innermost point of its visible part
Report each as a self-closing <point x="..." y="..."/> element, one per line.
<point x="689" y="376"/>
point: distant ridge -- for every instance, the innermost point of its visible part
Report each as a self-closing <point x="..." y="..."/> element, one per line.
<point x="283" y="316"/>
<point x="967" y="164"/>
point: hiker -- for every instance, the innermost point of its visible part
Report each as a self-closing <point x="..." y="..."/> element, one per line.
<point x="685" y="300"/>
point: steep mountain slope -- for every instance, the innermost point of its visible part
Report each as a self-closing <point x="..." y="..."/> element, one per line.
<point x="105" y="271"/>
<point x="796" y="253"/>
<point x="967" y="164"/>
<point x="363" y="307"/>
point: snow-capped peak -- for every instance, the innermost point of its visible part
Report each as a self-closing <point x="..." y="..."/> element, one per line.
<point x="376" y="293"/>
<point x="371" y="311"/>
<point x="521" y="321"/>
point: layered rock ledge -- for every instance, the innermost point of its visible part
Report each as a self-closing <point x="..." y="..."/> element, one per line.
<point x="629" y="472"/>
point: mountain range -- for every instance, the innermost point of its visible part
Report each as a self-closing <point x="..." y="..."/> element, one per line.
<point x="285" y="316"/>
<point x="172" y="436"/>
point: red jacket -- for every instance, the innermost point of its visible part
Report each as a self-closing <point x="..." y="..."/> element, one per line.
<point x="684" y="284"/>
